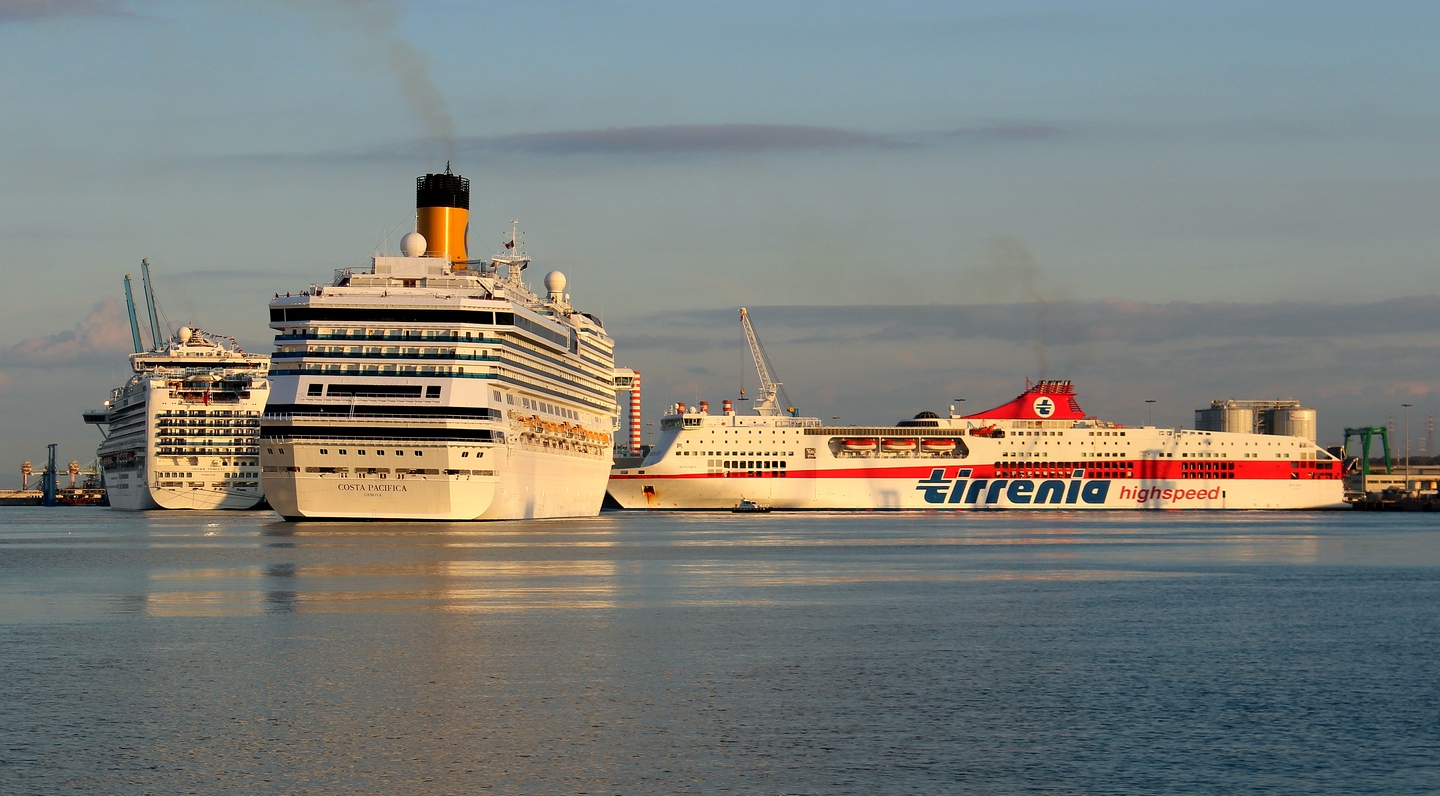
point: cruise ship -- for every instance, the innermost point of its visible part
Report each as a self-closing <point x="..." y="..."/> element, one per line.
<point x="183" y="431"/>
<point x="430" y="386"/>
<point x="1038" y="451"/>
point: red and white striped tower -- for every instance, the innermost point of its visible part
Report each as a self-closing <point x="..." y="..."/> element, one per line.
<point x="635" y="415"/>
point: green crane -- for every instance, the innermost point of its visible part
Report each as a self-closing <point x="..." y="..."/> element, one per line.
<point x="1365" y="433"/>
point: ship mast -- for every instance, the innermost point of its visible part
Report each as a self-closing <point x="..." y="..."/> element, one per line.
<point x="768" y="403"/>
<point x="513" y="256"/>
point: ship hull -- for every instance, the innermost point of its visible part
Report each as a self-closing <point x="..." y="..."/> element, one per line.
<point x="908" y="491"/>
<point x="140" y="497"/>
<point x="517" y="484"/>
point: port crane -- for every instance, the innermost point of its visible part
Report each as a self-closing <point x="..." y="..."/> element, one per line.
<point x="770" y="390"/>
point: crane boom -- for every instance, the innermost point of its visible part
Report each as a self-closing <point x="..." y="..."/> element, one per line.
<point x="769" y="389"/>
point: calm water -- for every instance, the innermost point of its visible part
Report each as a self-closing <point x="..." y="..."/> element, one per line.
<point x="986" y="653"/>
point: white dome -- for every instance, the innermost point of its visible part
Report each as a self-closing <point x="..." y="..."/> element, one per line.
<point x="412" y="245"/>
<point x="184" y="334"/>
<point x="555" y="282"/>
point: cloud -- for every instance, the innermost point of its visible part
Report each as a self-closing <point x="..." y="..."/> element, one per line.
<point x="27" y="10"/>
<point x="103" y="335"/>
<point x="1007" y="132"/>
<point x="677" y="140"/>
<point x="683" y="139"/>
<point x="1066" y="322"/>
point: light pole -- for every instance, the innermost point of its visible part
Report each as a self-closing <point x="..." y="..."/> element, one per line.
<point x="1407" y="446"/>
<point x="1151" y="407"/>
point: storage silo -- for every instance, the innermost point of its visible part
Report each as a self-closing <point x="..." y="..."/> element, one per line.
<point x="1226" y="416"/>
<point x="1294" y="421"/>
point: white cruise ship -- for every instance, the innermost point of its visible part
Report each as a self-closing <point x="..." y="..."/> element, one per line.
<point x="183" y="432"/>
<point x="1038" y="451"/>
<point x="435" y="387"/>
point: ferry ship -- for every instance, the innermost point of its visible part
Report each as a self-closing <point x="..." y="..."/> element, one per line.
<point x="1038" y="451"/>
<point x="183" y="431"/>
<point x="429" y="386"/>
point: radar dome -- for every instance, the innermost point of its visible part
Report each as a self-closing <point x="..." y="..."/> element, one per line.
<point x="412" y="245"/>
<point x="555" y="282"/>
<point x="183" y="334"/>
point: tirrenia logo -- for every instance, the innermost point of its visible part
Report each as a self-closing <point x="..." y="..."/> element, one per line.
<point x="1044" y="406"/>
<point x="964" y="490"/>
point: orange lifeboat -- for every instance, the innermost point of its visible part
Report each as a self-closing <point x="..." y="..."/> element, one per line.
<point x="898" y="445"/>
<point x="858" y="444"/>
<point x="937" y="445"/>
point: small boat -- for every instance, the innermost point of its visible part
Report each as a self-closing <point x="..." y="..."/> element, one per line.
<point x="858" y="444"/>
<point x="898" y="445"/>
<point x="748" y="506"/>
<point x="937" y="445"/>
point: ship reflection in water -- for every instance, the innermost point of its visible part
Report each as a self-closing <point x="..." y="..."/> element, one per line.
<point x="672" y="653"/>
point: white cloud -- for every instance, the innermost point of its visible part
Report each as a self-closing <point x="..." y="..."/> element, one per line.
<point x="103" y="335"/>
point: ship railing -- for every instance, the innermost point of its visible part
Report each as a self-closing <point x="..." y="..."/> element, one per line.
<point x="378" y="355"/>
<point x="371" y="416"/>
<point x="342" y="275"/>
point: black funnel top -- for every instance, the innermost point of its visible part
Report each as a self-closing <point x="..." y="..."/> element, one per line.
<point x="442" y="190"/>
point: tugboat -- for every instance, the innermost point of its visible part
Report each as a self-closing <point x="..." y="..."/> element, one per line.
<point x="747" y="506"/>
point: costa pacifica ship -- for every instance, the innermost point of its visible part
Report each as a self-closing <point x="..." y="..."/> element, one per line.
<point x="431" y="386"/>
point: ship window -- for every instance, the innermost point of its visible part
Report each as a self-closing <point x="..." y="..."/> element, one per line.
<point x="269" y="450"/>
<point x="432" y="391"/>
<point x="315" y="389"/>
<point x="399" y="453"/>
<point x="463" y="455"/>
<point x="324" y="451"/>
<point x="379" y="453"/>
<point x="419" y="453"/>
<point x="342" y="451"/>
<point x="361" y="452"/>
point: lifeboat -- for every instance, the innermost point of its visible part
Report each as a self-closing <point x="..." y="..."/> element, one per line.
<point x="858" y="444"/>
<point x="898" y="445"/>
<point x="937" y="445"/>
<point x="987" y="431"/>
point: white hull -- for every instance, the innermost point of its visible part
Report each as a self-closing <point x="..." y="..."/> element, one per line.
<point x="143" y="498"/>
<point x="872" y="492"/>
<point x="520" y="484"/>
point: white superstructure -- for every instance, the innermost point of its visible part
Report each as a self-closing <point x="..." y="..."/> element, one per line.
<point x="182" y="433"/>
<point x="431" y="386"/>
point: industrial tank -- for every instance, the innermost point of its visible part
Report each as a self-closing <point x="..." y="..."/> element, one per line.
<point x="1292" y="422"/>
<point x="1225" y="416"/>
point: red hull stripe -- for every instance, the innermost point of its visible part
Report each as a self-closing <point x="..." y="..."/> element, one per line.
<point x="1160" y="471"/>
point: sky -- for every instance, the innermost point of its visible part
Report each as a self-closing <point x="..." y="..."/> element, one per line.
<point x="918" y="201"/>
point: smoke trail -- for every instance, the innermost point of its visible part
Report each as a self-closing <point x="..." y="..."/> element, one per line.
<point x="1009" y="264"/>
<point x="379" y="23"/>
